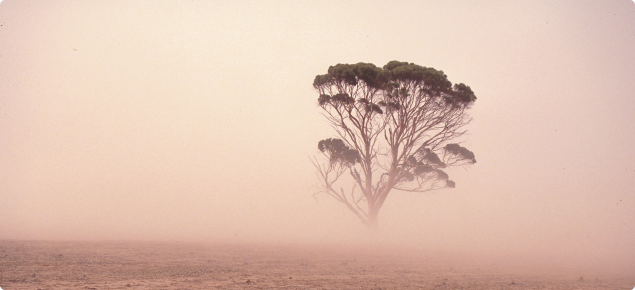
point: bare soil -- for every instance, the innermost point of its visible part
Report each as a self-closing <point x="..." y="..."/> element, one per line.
<point x="141" y="265"/>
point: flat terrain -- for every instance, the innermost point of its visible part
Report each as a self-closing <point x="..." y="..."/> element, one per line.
<point x="137" y="265"/>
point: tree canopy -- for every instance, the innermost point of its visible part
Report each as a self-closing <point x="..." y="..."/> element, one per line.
<point x="395" y="128"/>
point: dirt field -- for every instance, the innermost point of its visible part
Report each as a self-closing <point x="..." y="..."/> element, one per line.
<point x="136" y="265"/>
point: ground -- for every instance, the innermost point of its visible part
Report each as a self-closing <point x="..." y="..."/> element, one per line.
<point x="144" y="265"/>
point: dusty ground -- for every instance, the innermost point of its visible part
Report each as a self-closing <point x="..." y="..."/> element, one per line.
<point x="136" y="265"/>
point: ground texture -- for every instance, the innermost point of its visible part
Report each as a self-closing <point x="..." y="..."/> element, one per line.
<point x="136" y="265"/>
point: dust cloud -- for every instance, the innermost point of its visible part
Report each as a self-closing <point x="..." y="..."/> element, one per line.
<point x="194" y="122"/>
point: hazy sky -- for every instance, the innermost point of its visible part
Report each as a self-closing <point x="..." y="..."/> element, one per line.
<point x="195" y="120"/>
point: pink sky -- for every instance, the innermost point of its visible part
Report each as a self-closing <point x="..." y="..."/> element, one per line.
<point x="174" y="120"/>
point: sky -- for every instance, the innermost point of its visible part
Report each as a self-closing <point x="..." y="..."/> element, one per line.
<point x="196" y="120"/>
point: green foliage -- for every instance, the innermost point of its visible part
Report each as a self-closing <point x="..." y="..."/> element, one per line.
<point x="368" y="106"/>
<point x="390" y="79"/>
<point x="435" y="81"/>
<point x="460" y="151"/>
<point x="342" y="99"/>
<point x="323" y="99"/>
<point x="351" y="74"/>
<point x="338" y="152"/>
<point x="422" y="169"/>
<point x="463" y="94"/>
<point x="370" y="74"/>
<point x="427" y="167"/>
<point x="321" y="80"/>
<point x="432" y="158"/>
<point x="394" y="64"/>
<point x="374" y="108"/>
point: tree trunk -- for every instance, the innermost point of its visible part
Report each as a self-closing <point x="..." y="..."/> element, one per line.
<point x="371" y="222"/>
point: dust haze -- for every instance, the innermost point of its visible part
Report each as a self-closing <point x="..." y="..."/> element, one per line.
<point x="194" y="122"/>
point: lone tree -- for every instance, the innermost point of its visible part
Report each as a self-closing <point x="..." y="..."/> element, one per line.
<point x="395" y="125"/>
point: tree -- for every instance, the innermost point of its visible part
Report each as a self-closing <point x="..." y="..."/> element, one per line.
<point x="395" y="125"/>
